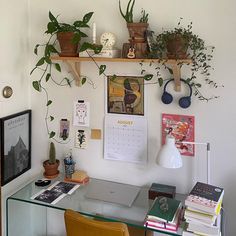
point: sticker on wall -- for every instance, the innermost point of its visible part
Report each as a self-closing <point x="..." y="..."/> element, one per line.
<point x="182" y="128"/>
<point x="81" y="139"/>
<point x="64" y="128"/>
<point x="81" y="113"/>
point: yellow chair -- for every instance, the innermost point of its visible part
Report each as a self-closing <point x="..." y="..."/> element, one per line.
<point x="78" y="225"/>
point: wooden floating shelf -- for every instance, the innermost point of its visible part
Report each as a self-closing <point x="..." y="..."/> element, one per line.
<point x="74" y="64"/>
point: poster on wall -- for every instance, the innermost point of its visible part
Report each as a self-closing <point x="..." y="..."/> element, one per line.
<point x="181" y="127"/>
<point x="125" y="95"/>
<point x="15" y="145"/>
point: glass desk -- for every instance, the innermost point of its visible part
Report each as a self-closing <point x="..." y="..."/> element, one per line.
<point x="29" y="217"/>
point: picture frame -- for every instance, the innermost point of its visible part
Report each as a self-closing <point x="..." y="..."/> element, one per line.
<point x="15" y="145"/>
<point x="182" y="128"/>
<point x="125" y="95"/>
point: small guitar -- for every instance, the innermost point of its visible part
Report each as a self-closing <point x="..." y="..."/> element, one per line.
<point x="131" y="53"/>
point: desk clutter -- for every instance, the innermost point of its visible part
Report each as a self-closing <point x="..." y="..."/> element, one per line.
<point x="203" y="210"/>
<point x="198" y="214"/>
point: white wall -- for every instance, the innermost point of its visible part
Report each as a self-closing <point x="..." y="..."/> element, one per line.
<point x="14" y="72"/>
<point x="213" y="20"/>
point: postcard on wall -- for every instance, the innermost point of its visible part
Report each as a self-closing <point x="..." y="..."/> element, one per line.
<point x="125" y="95"/>
<point x="81" y="139"/>
<point x="182" y="128"/>
<point x="125" y="138"/>
<point x="81" y="114"/>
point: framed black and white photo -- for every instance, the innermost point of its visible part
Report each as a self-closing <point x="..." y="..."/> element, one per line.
<point x="15" y="145"/>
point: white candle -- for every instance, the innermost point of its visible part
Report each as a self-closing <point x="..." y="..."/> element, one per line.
<point x="94" y="33"/>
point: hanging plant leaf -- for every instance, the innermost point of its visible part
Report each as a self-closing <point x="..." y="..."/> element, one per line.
<point x="49" y="102"/>
<point x="68" y="81"/>
<point x="52" y="134"/>
<point x="102" y="68"/>
<point x="36" y="85"/>
<point x="58" y="67"/>
<point x="40" y="62"/>
<point x="51" y="118"/>
<point x="113" y="77"/>
<point x="160" y="81"/>
<point x="47" y="77"/>
<point x="148" y="77"/>
<point x="87" y="17"/>
<point x="83" y="81"/>
<point x="170" y="70"/>
<point x="36" y="49"/>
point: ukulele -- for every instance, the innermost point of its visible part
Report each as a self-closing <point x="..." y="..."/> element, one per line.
<point x="131" y="53"/>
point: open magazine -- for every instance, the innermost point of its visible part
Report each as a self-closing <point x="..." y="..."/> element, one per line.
<point x="55" y="192"/>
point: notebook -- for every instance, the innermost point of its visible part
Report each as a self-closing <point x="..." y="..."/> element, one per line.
<point x="107" y="191"/>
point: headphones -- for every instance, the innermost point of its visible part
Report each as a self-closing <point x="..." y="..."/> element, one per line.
<point x="184" y="102"/>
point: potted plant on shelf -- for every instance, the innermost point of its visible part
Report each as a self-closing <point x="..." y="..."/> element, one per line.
<point x="182" y="43"/>
<point x="70" y="38"/>
<point x="51" y="165"/>
<point x="137" y="30"/>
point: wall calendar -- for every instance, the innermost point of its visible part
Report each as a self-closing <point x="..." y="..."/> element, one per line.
<point x="125" y="138"/>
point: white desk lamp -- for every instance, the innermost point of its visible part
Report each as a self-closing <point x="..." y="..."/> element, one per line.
<point x="169" y="156"/>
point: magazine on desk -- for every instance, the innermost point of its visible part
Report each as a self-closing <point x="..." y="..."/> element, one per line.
<point x="55" y="192"/>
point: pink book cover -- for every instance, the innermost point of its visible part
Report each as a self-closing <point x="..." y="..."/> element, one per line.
<point x="181" y="127"/>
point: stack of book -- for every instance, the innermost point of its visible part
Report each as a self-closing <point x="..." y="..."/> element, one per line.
<point x="202" y="213"/>
<point x="164" y="214"/>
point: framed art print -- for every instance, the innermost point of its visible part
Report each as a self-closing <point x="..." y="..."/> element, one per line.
<point x="15" y="145"/>
<point x="181" y="127"/>
<point x="125" y="95"/>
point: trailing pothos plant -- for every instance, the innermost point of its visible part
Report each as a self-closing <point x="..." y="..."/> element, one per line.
<point x="196" y="50"/>
<point x="46" y="66"/>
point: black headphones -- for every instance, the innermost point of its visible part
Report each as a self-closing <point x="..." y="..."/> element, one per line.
<point x="184" y="102"/>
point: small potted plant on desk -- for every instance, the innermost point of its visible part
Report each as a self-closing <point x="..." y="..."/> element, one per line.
<point x="51" y="165"/>
<point x="137" y="30"/>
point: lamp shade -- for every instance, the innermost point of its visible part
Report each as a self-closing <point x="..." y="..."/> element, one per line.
<point x="169" y="156"/>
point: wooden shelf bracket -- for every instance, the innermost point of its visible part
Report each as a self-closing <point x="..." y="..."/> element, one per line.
<point x="74" y="69"/>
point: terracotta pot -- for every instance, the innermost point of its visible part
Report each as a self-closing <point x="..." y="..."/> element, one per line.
<point x="137" y="31"/>
<point x="51" y="170"/>
<point x="177" y="47"/>
<point x="68" y="49"/>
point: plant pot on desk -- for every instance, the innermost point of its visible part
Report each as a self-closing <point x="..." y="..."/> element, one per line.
<point x="51" y="170"/>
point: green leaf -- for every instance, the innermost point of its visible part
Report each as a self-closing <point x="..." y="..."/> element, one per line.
<point x="52" y="48"/>
<point x="83" y="80"/>
<point x="170" y="70"/>
<point x="51" y="118"/>
<point x="87" y="17"/>
<point x="48" y="60"/>
<point x="148" y="77"/>
<point x="52" y="17"/>
<point x="36" y="85"/>
<point x="49" y="103"/>
<point x="198" y="85"/>
<point x="40" y="62"/>
<point x="76" y="38"/>
<point x="36" y="49"/>
<point x="47" y="77"/>
<point x="85" y="46"/>
<point x="68" y="81"/>
<point x="160" y="81"/>
<point x="58" y="67"/>
<point x="97" y="48"/>
<point x="52" y="134"/>
<point x="102" y="68"/>
<point x="113" y="77"/>
<point x="51" y="28"/>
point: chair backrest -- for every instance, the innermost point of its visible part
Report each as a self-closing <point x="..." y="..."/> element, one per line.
<point x="78" y="225"/>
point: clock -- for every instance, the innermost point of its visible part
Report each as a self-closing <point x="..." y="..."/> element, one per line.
<point x="108" y="40"/>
